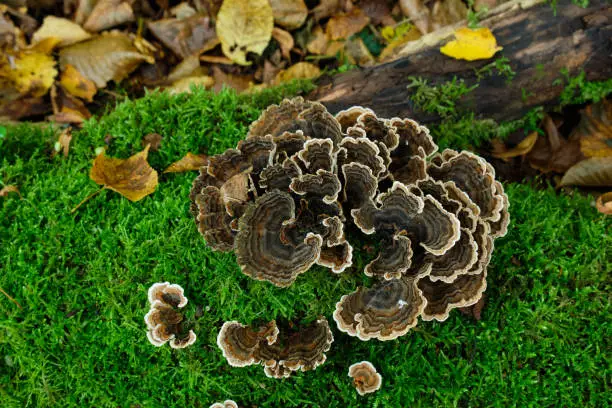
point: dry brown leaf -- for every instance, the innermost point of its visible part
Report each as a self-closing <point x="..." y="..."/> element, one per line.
<point x="63" y="143"/>
<point x="152" y="139"/>
<point x="604" y="203"/>
<point x="183" y="11"/>
<point x="214" y="59"/>
<point x="326" y="8"/>
<point x="592" y="172"/>
<point x="378" y="11"/>
<point x="418" y="13"/>
<point x="184" y="85"/>
<point x="76" y="84"/>
<point x="4" y="192"/>
<point x="133" y="178"/>
<point x="84" y="9"/>
<point x="318" y="42"/>
<point x="185" y="68"/>
<point x="189" y="162"/>
<point x="447" y="12"/>
<point x="553" y="152"/>
<point x="357" y="52"/>
<point x="289" y="14"/>
<point x="23" y="107"/>
<point x="482" y="4"/>
<point x="244" y="26"/>
<point x="69" y="108"/>
<point x="502" y="152"/>
<point x="193" y="35"/>
<point x="238" y="82"/>
<point x="107" y="14"/>
<point x="284" y="39"/>
<point x="106" y="57"/>
<point x="65" y="30"/>
<point x="595" y="130"/>
<point x="345" y="25"/>
<point x="301" y="70"/>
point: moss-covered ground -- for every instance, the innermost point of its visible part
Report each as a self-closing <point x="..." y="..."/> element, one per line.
<point x="81" y="280"/>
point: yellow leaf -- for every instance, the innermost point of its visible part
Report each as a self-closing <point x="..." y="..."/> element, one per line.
<point x="189" y="162"/>
<point x="65" y="30"/>
<point x="133" y="178"/>
<point x="244" y="26"/>
<point x="76" y="84"/>
<point x="33" y="73"/>
<point x="301" y="70"/>
<point x="401" y="35"/>
<point x="595" y="130"/>
<point x="520" y="149"/>
<point x="471" y="44"/>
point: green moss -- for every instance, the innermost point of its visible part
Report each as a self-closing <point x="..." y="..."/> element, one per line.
<point x="440" y="99"/>
<point x="578" y="90"/>
<point x="82" y="279"/>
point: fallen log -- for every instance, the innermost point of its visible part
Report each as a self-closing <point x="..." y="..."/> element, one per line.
<point x="538" y="41"/>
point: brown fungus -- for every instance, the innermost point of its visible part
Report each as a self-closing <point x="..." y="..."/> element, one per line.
<point x="305" y="186"/>
<point x="164" y="322"/>
<point x="365" y="378"/>
<point x="280" y="352"/>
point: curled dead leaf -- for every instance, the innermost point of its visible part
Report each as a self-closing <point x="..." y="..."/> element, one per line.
<point x="193" y="35"/>
<point x="595" y="130"/>
<point x="553" y="152"/>
<point x="133" y="178"/>
<point x="110" y="56"/>
<point x="357" y="52"/>
<point x="4" y="192"/>
<point x="76" y="84"/>
<point x="471" y="44"/>
<point x="345" y="25"/>
<point x="244" y="26"/>
<point x="189" y="162"/>
<point x="592" y="172"/>
<point x="107" y="14"/>
<point x="67" y="108"/>
<point x="502" y="152"/>
<point x="285" y="40"/>
<point x="289" y="14"/>
<point x="65" y="30"/>
<point x="604" y="203"/>
<point x="301" y="70"/>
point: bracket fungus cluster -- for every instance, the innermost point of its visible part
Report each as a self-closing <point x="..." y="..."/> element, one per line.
<point x="304" y="184"/>
<point x="280" y="352"/>
<point x="365" y="378"/>
<point x="164" y="320"/>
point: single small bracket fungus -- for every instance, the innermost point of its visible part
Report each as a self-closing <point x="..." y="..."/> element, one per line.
<point x="305" y="185"/>
<point x="225" y="404"/>
<point x="164" y="322"/>
<point x="280" y="352"/>
<point x="365" y="378"/>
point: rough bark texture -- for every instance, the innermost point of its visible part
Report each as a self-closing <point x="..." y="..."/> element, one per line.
<point x="538" y="43"/>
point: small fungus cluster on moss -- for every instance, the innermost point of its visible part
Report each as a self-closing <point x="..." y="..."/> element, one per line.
<point x="365" y="378"/>
<point x="164" y="321"/>
<point x="304" y="184"/>
<point x="280" y="352"/>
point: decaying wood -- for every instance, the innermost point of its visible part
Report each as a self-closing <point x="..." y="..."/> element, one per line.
<point x="538" y="42"/>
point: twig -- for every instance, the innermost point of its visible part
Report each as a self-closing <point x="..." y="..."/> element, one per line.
<point x="89" y="197"/>
<point x="11" y="299"/>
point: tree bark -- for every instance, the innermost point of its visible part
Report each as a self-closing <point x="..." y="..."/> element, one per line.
<point x="538" y="42"/>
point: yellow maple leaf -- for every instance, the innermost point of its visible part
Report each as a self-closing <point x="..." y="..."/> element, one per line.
<point x="471" y="44"/>
<point x="244" y="26"/>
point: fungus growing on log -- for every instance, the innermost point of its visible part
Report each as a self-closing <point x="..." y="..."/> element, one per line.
<point x="304" y="185"/>
<point x="365" y="378"/>
<point x="280" y="352"/>
<point x="164" y="321"/>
